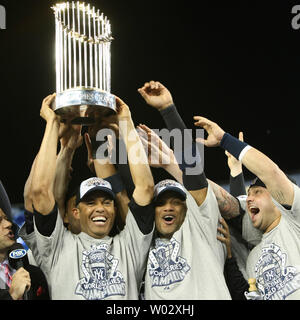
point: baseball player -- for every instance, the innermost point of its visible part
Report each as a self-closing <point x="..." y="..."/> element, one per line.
<point x="92" y="265"/>
<point x="186" y="260"/>
<point x="272" y="219"/>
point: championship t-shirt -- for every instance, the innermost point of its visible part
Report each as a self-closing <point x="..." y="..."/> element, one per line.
<point x="190" y="265"/>
<point x="80" y="267"/>
<point x="275" y="261"/>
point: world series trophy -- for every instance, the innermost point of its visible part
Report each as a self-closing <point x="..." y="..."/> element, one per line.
<point x="83" y="63"/>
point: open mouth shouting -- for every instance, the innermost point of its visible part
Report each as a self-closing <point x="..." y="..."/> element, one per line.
<point x="169" y="219"/>
<point x="254" y="210"/>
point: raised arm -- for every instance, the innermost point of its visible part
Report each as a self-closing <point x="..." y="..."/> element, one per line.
<point x="236" y="178"/>
<point x="44" y="173"/>
<point x="159" y="154"/>
<point x="228" y="204"/>
<point x="69" y="142"/>
<point x="277" y="183"/>
<point x="138" y="162"/>
<point x="159" y="97"/>
<point x="28" y="204"/>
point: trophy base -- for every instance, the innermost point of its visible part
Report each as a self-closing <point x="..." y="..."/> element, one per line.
<point x="78" y="105"/>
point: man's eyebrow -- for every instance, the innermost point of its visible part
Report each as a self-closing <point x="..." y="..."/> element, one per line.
<point x="3" y="217"/>
<point x="103" y="198"/>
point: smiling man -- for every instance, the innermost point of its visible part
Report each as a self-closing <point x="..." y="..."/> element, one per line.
<point x="95" y="207"/>
<point x="97" y="263"/>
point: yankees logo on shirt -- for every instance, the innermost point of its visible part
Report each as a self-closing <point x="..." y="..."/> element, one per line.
<point x="275" y="280"/>
<point x="101" y="277"/>
<point x="165" y="265"/>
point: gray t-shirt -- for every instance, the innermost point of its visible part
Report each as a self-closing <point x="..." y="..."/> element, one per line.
<point x="190" y="265"/>
<point x="79" y="267"/>
<point x="275" y="261"/>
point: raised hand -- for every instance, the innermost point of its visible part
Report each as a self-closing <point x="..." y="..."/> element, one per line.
<point x="71" y="136"/>
<point x="215" y="133"/>
<point x="156" y="95"/>
<point x="123" y="111"/>
<point x="159" y="154"/>
<point x="46" y="111"/>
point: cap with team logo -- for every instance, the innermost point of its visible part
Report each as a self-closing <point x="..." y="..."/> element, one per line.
<point x="93" y="184"/>
<point x="169" y="185"/>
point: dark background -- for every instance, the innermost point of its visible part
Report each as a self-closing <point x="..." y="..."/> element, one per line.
<point x="234" y="62"/>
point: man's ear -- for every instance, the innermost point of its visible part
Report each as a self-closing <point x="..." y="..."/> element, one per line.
<point x="76" y="213"/>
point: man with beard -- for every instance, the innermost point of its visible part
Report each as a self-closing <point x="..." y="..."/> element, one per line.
<point x="272" y="221"/>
